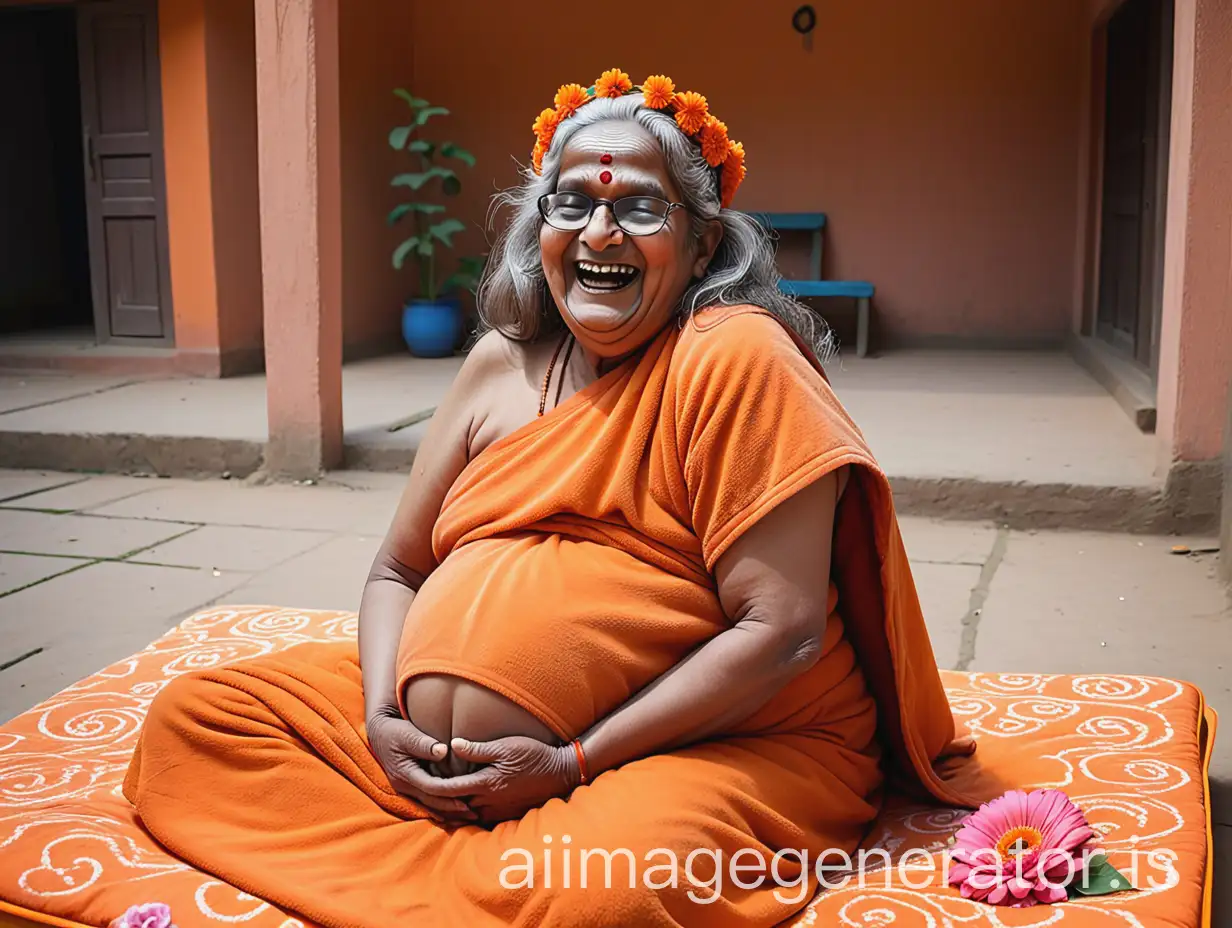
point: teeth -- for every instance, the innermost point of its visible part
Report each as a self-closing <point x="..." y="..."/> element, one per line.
<point x="593" y="268"/>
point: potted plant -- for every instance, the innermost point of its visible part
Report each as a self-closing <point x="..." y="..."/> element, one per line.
<point x="431" y="323"/>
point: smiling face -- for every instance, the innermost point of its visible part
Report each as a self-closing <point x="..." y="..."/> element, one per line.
<point x="616" y="291"/>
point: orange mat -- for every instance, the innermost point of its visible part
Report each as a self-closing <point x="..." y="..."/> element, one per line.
<point x="1131" y="751"/>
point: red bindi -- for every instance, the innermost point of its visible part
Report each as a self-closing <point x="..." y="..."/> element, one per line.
<point x="605" y="158"/>
<point x="605" y="177"/>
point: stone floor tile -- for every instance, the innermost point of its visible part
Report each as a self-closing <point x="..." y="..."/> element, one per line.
<point x="106" y="608"/>
<point x="19" y="570"/>
<point x="16" y="484"/>
<point x="88" y="493"/>
<point x="328" y="577"/>
<point x="79" y="535"/>
<point x="227" y="547"/>
<point x="948" y="542"/>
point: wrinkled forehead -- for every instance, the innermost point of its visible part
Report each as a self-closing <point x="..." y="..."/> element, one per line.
<point x="632" y="155"/>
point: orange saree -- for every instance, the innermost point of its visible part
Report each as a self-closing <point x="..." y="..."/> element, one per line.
<point x="574" y="568"/>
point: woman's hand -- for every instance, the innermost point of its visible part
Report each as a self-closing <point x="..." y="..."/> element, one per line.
<point x="402" y="749"/>
<point x="519" y="774"/>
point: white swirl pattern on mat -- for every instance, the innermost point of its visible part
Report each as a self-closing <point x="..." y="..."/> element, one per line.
<point x="1109" y="764"/>
<point x="255" y="906"/>
<point x="63" y="815"/>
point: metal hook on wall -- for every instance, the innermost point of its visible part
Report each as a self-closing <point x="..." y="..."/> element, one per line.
<point x="804" y="21"/>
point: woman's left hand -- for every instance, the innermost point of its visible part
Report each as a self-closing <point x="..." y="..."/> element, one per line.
<point x="519" y="774"/>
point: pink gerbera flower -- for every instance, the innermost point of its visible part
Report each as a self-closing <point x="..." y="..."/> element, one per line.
<point x="1020" y="849"/>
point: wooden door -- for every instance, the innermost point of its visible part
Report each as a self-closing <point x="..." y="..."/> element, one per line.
<point x="1136" y="111"/>
<point x="125" y="188"/>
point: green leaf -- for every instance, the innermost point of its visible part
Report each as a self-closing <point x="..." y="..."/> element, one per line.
<point x="452" y="186"/>
<point x="445" y="229"/>
<point x="425" y="113"/>
<point x="401" y="252"/>
<point x="414" y="102"/>
<point x="398" y="137"/>
<point x="416" y="180"/>
<point x="402" y="209"/>
<point x="1100" y="879"/>
<point x="470" y="269"/>
<point x="450" y="150"/>
<point x="422" y="147"/>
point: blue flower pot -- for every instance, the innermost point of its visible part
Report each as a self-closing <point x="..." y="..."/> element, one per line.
<point x="432" y="328"/>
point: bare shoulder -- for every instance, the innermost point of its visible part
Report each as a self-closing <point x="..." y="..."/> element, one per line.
<point x="491" y="356"/>
<point x="490" y="361"/>
<point x="496" y="390"/>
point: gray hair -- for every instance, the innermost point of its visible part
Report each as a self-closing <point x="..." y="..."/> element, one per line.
<point x="513" y="297"/>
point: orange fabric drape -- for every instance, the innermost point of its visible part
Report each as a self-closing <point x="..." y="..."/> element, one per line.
<point x="575" y="559"/>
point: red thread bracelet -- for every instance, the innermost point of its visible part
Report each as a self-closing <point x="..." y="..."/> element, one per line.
<point x="581" y="759"/>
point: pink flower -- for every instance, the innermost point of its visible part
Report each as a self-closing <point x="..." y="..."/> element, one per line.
<point x="146" y="915"/>
<point x="1020" y="849"/>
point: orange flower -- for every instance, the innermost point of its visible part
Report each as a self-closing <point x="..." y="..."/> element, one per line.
<point x="715" y="144"/>
<point x="568" y="98"/>
<point x="733" y="174"/>
<point x="659" y="91"/>
<point x="613" y="83"/>
<point x="536" y="157"/>
<point x="545" y="125"/>
<point x="691" y="111"/>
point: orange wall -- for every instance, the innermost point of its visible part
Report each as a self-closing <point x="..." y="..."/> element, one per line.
<point x="941" y="137"/>
<point x="186" y="145"/>
<point x="209" y="138"/>
<point x="232" y="78"/>
<point x="375" y="57"/>
<point x="209" y="87"/>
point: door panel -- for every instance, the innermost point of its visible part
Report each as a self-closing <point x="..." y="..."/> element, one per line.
<point x="132" y="267"/>
<point x="125" y="187"/>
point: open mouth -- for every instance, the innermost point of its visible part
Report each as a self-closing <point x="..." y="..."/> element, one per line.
<point x="605" y="277"/>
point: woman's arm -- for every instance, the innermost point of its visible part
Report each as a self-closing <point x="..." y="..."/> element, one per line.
<point x="403" y="562"/>
<point x="774" y="583"/>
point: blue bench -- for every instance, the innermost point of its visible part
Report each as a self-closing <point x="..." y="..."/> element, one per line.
<point x="859" y="290"/>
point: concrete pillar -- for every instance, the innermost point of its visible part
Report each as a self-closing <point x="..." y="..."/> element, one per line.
<point x="301" y="232"/>
<point x="1195" y="355"/>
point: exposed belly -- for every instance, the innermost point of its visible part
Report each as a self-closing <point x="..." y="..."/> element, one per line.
<point x="445" y="707"/>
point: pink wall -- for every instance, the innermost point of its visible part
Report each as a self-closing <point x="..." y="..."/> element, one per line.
<point x="375" y="57"/>
<point x="1196" y="332"/>
<point x="941" y="137"/>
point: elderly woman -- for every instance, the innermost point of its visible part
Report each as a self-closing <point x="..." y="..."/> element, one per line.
<point x="643" y="621"/>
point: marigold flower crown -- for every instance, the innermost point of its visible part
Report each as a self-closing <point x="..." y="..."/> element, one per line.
<point x="689" y="109"/>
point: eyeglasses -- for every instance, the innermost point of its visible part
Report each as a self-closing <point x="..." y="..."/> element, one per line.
<point x="570" y="212"/>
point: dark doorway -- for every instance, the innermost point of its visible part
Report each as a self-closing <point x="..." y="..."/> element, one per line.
<point x="121" y="111"/>
<point x="83" y="231"/>
<point x="44" y="255"/>
<point x="1137" y="108"/>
